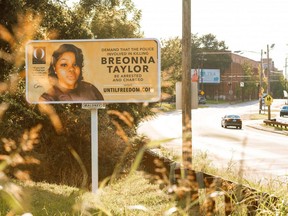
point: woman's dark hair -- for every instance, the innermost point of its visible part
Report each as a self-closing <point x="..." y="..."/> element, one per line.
<point x="58" y="53"/>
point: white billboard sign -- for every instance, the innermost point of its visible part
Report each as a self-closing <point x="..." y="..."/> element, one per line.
<point x="93" y="71"/>
<point x="206" y="75"/>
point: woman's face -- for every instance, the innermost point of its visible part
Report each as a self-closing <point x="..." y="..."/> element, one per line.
<point x="67" y="71"/>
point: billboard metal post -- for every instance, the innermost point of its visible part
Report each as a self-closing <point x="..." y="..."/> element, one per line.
<point x="94" y="142"/>
<point x="94" y="149"/>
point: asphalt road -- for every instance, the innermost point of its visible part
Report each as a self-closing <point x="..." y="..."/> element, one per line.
<point x="258" y="154"/>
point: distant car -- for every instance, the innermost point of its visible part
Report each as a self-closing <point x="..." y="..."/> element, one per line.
<point x="284" y="111"/>
<point x="231" y="120"/>
<point x="201" y="100"/>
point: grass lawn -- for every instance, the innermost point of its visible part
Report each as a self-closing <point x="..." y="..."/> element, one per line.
<point x="132" y="195"/>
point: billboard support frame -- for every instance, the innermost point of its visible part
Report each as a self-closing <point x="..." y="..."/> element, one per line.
<point x="94" y="149"/>
<point x="94" y="143"/>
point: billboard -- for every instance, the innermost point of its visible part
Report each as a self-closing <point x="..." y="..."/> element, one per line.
<point x="206" y="75"/>
<point x="195" y="75"/>
<point x="93" y="71"/>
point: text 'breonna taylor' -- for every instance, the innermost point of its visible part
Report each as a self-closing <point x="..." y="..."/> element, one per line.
<point x="128" y="64"/>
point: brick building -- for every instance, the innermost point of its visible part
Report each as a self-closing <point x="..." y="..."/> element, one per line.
<point x="232" y="81"/>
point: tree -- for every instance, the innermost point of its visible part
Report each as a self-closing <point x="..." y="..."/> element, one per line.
<point x="171" y="66"/>
<point x="118" y="20"/>
<point x="277" y="84"/>
<point x="46" y="19"/>
<point x="251" y="81"/>
<point x="171" y="59"/>
<point x="209" y="44"/>
<point x="8" y="18"/>
<point x="54" y="21"/>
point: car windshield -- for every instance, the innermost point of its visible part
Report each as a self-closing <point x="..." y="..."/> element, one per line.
<point x="285" y="107"/>
<point x="233" y="116"/>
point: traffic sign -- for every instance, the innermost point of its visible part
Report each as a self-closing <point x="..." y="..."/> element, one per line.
<point x="268" y="100"/>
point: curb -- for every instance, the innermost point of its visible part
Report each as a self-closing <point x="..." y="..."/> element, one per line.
<point x="259" y="127"/>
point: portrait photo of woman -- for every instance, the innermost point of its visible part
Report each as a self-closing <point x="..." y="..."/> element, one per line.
<point x="65" y="75"/>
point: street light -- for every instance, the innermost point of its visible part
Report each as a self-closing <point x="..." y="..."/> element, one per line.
<point x="268" y="68"/>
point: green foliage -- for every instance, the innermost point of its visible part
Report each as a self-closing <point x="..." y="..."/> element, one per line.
<point x="9" y="11"/>
<point x="120" y="20"/>
<point x="139" y="196"/>
<point x="8" y="18"/>
<point x="58" y="21"/>
<point x="171" y="58"/>
<point x="51" y="20"/>
<point x="203" y="46"/>
<point x="277" y="84"/>
<point x="14" y="157"/>
<point x="137" y="111"/>
<point x="210" y="42"/>
<point x="171" y="66"/>
<point x="250" y="78"/>
<point x="133" y="195"/>
<point x="89" y="5"/>
<point x="19" y="114"/>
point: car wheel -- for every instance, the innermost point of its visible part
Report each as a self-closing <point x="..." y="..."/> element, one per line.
<point x="240" y="127"/>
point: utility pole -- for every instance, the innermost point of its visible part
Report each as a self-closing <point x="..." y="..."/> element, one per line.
<point x="261" y="69"/>
<point x="286" y="68"/>
<point x="268" y="81"/>
<point x="231" y="81"/>
<point x="268" y="71"/>
<point x="260" y="83"/>
<point x="186" y="85"/>
<point x="285" y="72"/>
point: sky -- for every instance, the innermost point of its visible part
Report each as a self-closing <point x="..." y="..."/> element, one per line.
<point x="246" y="25"/>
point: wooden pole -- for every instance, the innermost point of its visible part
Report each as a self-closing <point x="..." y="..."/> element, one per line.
<point x="260" y="83"/>
<point x="186" y="85"/>
<point x="268" y="71"/>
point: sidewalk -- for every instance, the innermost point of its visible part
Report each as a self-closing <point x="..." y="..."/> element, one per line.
<point x="259" y="125"/>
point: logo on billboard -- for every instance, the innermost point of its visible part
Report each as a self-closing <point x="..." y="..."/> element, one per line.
<point x="39" y="55"/>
